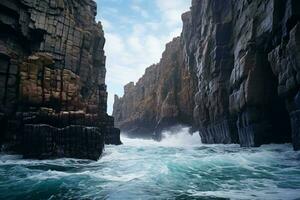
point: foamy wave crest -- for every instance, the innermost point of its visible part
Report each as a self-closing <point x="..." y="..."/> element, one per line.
<point x="178" y="136"/>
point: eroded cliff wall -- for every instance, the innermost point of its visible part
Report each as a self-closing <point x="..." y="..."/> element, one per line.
<point x="234" y="46"/>
<point x="161" y="98"/>
<point x="52" y="69"/>
<point x="245" y="56"/>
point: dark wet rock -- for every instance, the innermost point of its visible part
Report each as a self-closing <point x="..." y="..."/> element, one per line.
<point x="113" y="136"/>
<point x="207" y="35"/>
<point x="44" y="141"/>
<point x="285" y="63"/>
<point x="52" y="72"/>
<point x="228" y="43"/>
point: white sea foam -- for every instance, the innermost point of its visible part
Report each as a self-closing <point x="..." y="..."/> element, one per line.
<point x="178" y="137"/>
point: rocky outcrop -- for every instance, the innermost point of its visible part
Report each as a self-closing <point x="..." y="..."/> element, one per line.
<point x="245" y="56"/>
<point x="44" y="141"/>
<point x="229" y="43"/>
<point x="161" y="98"/>
<point x="52" y="78"/>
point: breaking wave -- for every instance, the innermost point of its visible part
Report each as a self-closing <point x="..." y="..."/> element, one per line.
<point x="178" y="137"/>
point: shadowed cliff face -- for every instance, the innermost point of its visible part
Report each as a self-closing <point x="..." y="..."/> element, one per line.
<point x="207" y="35"/>
<point x="161" y="98"/>
<point x="52" y="67"/>
<point x="245" y="57"/>
<point x="239" y="97"/>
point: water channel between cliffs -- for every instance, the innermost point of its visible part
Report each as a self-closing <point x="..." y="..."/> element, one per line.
<point x="178" y="167"/>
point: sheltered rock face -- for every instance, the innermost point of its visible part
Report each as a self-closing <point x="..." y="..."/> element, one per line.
<point x="285" y="63"/>
<point x="161" y="98"/>
<point x="52" y="61"/>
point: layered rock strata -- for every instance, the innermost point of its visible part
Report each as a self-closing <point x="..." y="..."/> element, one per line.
<point x="161" y="98"/>
<point x="52" y="78"/>
<point x="245" y="56"/>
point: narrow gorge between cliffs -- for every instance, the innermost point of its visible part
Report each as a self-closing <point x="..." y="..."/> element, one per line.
<point x="85" y="114"/>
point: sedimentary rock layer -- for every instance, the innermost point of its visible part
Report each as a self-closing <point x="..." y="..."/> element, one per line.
<point x="52" y="60"/>
<point x="245" y="56"/>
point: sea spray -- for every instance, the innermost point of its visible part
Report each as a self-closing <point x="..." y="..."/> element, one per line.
<point x="178" y="137"/>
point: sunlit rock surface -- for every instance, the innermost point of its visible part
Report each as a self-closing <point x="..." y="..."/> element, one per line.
<point x="52" y="72"/>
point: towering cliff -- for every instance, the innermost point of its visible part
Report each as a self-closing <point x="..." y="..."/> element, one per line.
<point x="239" y="98"/>
<point x="52" y="79"/>
<point x="245" y="56"/>
<point x="161" y="98"/>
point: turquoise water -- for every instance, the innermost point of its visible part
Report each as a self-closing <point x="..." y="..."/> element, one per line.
<point x="179" y="167"/>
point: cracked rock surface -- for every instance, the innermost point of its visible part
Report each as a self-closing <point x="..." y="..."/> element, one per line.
<point x="52" y="69"/>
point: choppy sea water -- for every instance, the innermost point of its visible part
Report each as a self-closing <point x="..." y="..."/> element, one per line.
<point x="179" y="167"/>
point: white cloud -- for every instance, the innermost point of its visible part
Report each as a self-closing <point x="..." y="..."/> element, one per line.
<point x="114" y="45"/>
<point x="155" y="47"/>
<point x="154" y="26"/>
<point x="135" y="43"/>
<point x="106" y="24"/>
<point x="140" y="10"/>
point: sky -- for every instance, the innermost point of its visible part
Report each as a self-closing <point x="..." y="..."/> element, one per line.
<point x="136" y="32"/>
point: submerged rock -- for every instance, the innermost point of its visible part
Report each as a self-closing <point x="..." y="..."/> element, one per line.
<point x="52" y="79"/>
